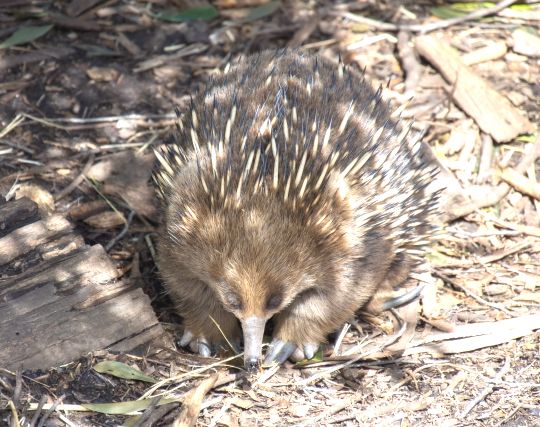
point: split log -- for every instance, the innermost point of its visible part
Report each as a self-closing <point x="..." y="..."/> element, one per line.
<point x="60" y="298"/>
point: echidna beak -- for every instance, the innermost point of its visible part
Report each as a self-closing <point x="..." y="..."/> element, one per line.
<point x="253" y="329"/>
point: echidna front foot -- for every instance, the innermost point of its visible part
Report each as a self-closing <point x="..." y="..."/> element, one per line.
<point x="279" y="351"/>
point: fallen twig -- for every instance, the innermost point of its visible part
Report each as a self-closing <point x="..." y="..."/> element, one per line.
<point x="488" y="389"/>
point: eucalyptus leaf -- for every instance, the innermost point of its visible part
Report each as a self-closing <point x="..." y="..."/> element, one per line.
<point x="121" y="370"/>
<point x="24" y="35"/>
<point x="318" y="357"/>
<point x="527" y="137"/>
<point x="262" y="11"/>
<point x="446" y="12"/>
<point x="203" y="13"/>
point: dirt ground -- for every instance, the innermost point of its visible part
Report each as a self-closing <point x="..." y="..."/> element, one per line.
<point x="89" y="81"/>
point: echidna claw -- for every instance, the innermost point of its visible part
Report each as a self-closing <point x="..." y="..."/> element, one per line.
<point x="403" y="299"/>
<point x="310" y="349"/>
<point x="305" y="352"/>
<point x="199" y="345"/>
<point x="278" y="352"/>
<point x="297" y="355"/>
<point x="187" y="337"/>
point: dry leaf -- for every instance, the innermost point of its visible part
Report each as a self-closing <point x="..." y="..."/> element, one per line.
<point x="38" y="195"/>
<point x="106" y="220"/>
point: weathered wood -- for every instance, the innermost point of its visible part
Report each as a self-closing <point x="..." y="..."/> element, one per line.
<point x="493" y="113"/>
<point x="60" y="299"/>
<point x="16" y="214"/>
<point x="56" y="312"/>
<point x="29" y="237"/>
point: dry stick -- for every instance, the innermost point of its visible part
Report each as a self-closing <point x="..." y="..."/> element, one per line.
<point x="499" y="192"/>
<point x="18" y="387"/>
<point x="486" y="390"/>
<point x="192" y="402"/>
<point x="18" y="147"/>
<point x="486" y="157"/>
<point x="159" y="413"/>
<point x="50" y="411"/>
<point x="517" y="228"/>
<point x="108" y="119"/>
<point x="471" y="294"/>
<point x="510" y="415"/>
<point x="39" y="409"/>
<point x="63" y="193"/>
<point x="521" y="183"/>
<point x="338" y="408"/>
<point x="504" y="253"/>
<point x="409" y="61"/>
<point x="426" y="28"/>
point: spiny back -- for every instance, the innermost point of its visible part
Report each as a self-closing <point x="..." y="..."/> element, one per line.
<point x="308" y="132"/>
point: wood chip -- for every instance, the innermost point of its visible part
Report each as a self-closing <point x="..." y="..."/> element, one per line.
<point x="490" y="52"/>
<point x="526" y="43"/>
<point x="475" y="336"/>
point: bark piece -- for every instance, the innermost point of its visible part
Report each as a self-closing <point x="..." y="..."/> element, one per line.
<point x="16" y="214"/>
<point x="29" y="237"/>
<point x="493" y="112"/>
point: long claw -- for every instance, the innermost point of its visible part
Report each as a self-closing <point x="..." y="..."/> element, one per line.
<point x="279" y="351"/>
<point x="310" y="349"/>
<point x="186" y="338"/>
<point x="201" y="346"/>
<point x="404" y="299"/>
<point x="205" y="349"/>
<point x="297" y="355"/>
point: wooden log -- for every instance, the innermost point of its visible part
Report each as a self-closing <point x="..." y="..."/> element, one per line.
<point x="60" y="299"/>
<point x="56" y="312"/>
<point x="31" y="236"/>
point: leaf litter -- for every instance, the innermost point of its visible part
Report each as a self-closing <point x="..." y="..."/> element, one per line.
<point x="473" y="357"/>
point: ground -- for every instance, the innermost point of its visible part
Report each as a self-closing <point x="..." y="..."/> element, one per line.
<point x="99" y="80"/>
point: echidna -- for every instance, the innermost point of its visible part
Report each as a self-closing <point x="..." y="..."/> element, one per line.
<point x="292" y="194"/>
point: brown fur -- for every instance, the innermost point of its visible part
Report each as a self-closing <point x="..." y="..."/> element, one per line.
<point x="309" y="258"/>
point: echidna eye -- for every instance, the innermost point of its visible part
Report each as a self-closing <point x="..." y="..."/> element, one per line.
<point x="273" y="302"/>
<point x="233" y="301"/>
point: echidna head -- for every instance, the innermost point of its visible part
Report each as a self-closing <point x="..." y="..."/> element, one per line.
<point x="256" y="258"/>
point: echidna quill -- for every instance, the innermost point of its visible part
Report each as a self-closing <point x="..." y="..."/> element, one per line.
<point x="293" y="195"/>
